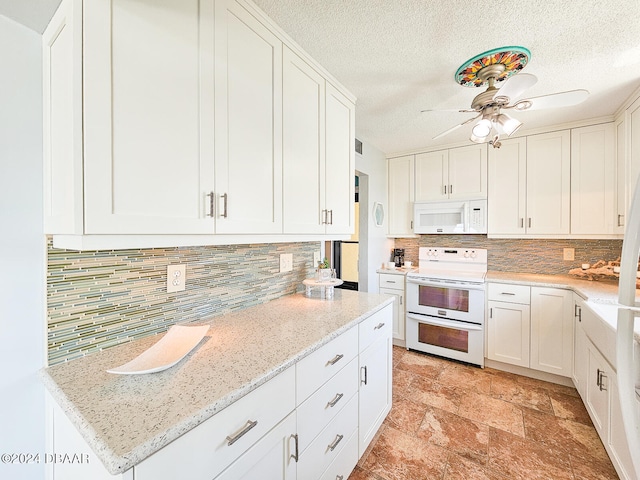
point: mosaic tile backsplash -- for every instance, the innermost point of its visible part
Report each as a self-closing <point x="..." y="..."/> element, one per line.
<point x="542" y="256"/>
<point x="98" y="299"/>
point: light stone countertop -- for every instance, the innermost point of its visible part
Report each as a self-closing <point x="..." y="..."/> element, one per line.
<point x="397" y="270"/>
<point x="126" y="418"/>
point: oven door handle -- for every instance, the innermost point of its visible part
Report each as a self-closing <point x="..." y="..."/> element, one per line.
<point x="441" y="322"/>
<point x="459" y="286"/>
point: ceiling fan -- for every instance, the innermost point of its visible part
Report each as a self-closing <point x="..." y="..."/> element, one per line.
<point x="501" y="65"/>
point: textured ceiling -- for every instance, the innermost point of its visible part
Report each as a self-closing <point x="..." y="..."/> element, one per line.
<point x="400" y="56"/>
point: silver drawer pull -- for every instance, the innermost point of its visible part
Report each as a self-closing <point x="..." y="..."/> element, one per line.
<point x="339" y="477"/>
<point x="390" y="281"/>
<point x="335" y="443"/>
<point x="296" y="455"/>
<point x="335" y="400"/>
<point x="506" y="293"/>
<point x="380" y="325"/>
<point x="335" y="359"/>
<point x="248" y="426"/>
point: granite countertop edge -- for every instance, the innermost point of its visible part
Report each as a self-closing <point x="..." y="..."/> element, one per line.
<point x="117" y="463"/>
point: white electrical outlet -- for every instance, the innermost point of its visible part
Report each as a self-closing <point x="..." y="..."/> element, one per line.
<point x="176" y="278"/>
<point x="286" y="262"/>
<point x="316" y="258"/>
<point x="568" y="254"/>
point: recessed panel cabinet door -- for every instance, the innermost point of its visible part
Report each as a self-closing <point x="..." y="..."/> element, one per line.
<point x="548" y="183"/>
<point x="248" y="130"/>
<point x="401" y="195"/>
<point x="339" y="162"/>
<point x="303" y="146"/>
<point x="148" y="116"/>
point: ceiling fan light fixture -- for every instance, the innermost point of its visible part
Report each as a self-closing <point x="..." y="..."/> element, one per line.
<point x="508" y="125"/>
<point x="482" y="129"/>
<point x="475" y="139"/>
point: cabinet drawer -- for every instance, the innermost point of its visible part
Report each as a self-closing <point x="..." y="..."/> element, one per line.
<point x="319" y="409"/>
<point x="389" y="280"/>
<point x="315" y="369"/>
<point x="319" y="455"/>
<point x="377" y="326"/>
<point x="205" y="449"/>
<point x="504" y="292"/>
<point x="345" y="462"/>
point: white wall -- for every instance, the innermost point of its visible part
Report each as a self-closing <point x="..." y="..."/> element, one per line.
<point x="22" y="251"/>
<point x="373" y="188"/>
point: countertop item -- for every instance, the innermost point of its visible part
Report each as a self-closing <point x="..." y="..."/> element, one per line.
<point x="126" y="418"/>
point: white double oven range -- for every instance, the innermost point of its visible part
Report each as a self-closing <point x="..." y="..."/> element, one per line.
<point x="445" y="303"/>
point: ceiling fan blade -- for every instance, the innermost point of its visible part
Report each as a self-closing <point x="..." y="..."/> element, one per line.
<point x="447" y="132"/>
<point x="554" y="100"/>
<point x="447" y="110"/>
<point x="516" y="85"/>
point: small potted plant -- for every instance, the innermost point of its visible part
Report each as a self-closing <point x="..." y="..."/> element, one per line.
<point x="324" y="270"/>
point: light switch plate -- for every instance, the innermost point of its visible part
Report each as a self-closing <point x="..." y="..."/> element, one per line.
<point x="286" y="262"/>
<point x="316" y="258"/>
<point x="176" y="278"/>
<point x="568" y="254"/>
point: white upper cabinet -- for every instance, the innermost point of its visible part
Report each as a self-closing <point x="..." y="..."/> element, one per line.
<point x="507" y="201"/>
<point x="340" y="162"/>
<point x="303" y="146"/>
<point x="318" y="153"/>
<point x="400" y="176"/>
<point x="165" y="118"/>
<point x="548" y="183"/>
<point x="248" y="99"/>
<point x="621" y="176"/>
<point x="593" y="180"/>
<point x="457" y="173"/>
<point x="148" y="78"/>
<point x="62" y="125"/>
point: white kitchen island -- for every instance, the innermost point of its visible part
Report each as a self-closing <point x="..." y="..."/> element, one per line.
<point x="125" y="419"/>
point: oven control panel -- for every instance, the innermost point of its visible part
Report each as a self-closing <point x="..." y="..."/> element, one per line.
<point x="456" y="255"/>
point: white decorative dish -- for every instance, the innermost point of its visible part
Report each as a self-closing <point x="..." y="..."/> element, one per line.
<point x="168" y="351"/>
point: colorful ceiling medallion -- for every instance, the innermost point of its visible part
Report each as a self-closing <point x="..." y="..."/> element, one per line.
<point x="506" y="61"/>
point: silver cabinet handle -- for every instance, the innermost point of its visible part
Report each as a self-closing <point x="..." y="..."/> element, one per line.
<point x="211" y="200"/>
<point x="335" y="359"/>
<point x="365" y="375"/>
<point x="380" y="325"/>
<point x="450" y="189"/>
<point x="390" y="281"/>
<point x="578" y="313"/>
<point x="330" y="217"/>
<point x="491" y="313"/>
<point x="529" y="222"/>
<point x="339" y="477"/>
<point x="296" y="455"/>
<point x="507" y="293"/>
<point x="324" y="217"/>
<point x="620" y="220"/>
<point x="445" y="189"/>
<point x="224" y="199"/>
<point x="335" y="443"/>
<point x="248" y="426"/>
<point x="600" y="380"/>
<point x="335" y="400"/>
<point x="522" y="222"/>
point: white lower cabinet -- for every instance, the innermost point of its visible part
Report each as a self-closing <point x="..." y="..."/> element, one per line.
<point x="595" y="379"/>
<point x="531" y="327"/>
<point x="391" y="284"/>
<point x="303" y="423"/>
<point x="375" y="375"/>
<point x="269" y="459"/>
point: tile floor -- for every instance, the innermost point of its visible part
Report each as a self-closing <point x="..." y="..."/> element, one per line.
<point x="452" y="421"/>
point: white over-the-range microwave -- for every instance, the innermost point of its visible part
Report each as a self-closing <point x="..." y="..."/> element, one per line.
<point x="461" y="216"/>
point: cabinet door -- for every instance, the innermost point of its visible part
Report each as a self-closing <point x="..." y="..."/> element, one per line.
<point x="398" y="311"/>
<point x="468" y="172"/>
<point x="593" y="180"/>
<point x="432" y="176"/>
<point x="508" y="333"/>
<point x="621" y="175"/>
<point x="272" y="458"/>
<point x="597" y="390"/>
<point x="248" y="127"/>
<point x="401" y="195"/>
<point x="507" y="187"/>
<point x="632" y="117"/>
<point x="62" y="120"/>
<point x="148" y="116"/>
<point x="375" y="390"/>
<point x="580" y="353"/>
<point x="340" y="162"/>
<point x="552" y="330"/>
<point x="548" y="183"/>
<point x="303" y="146"/>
